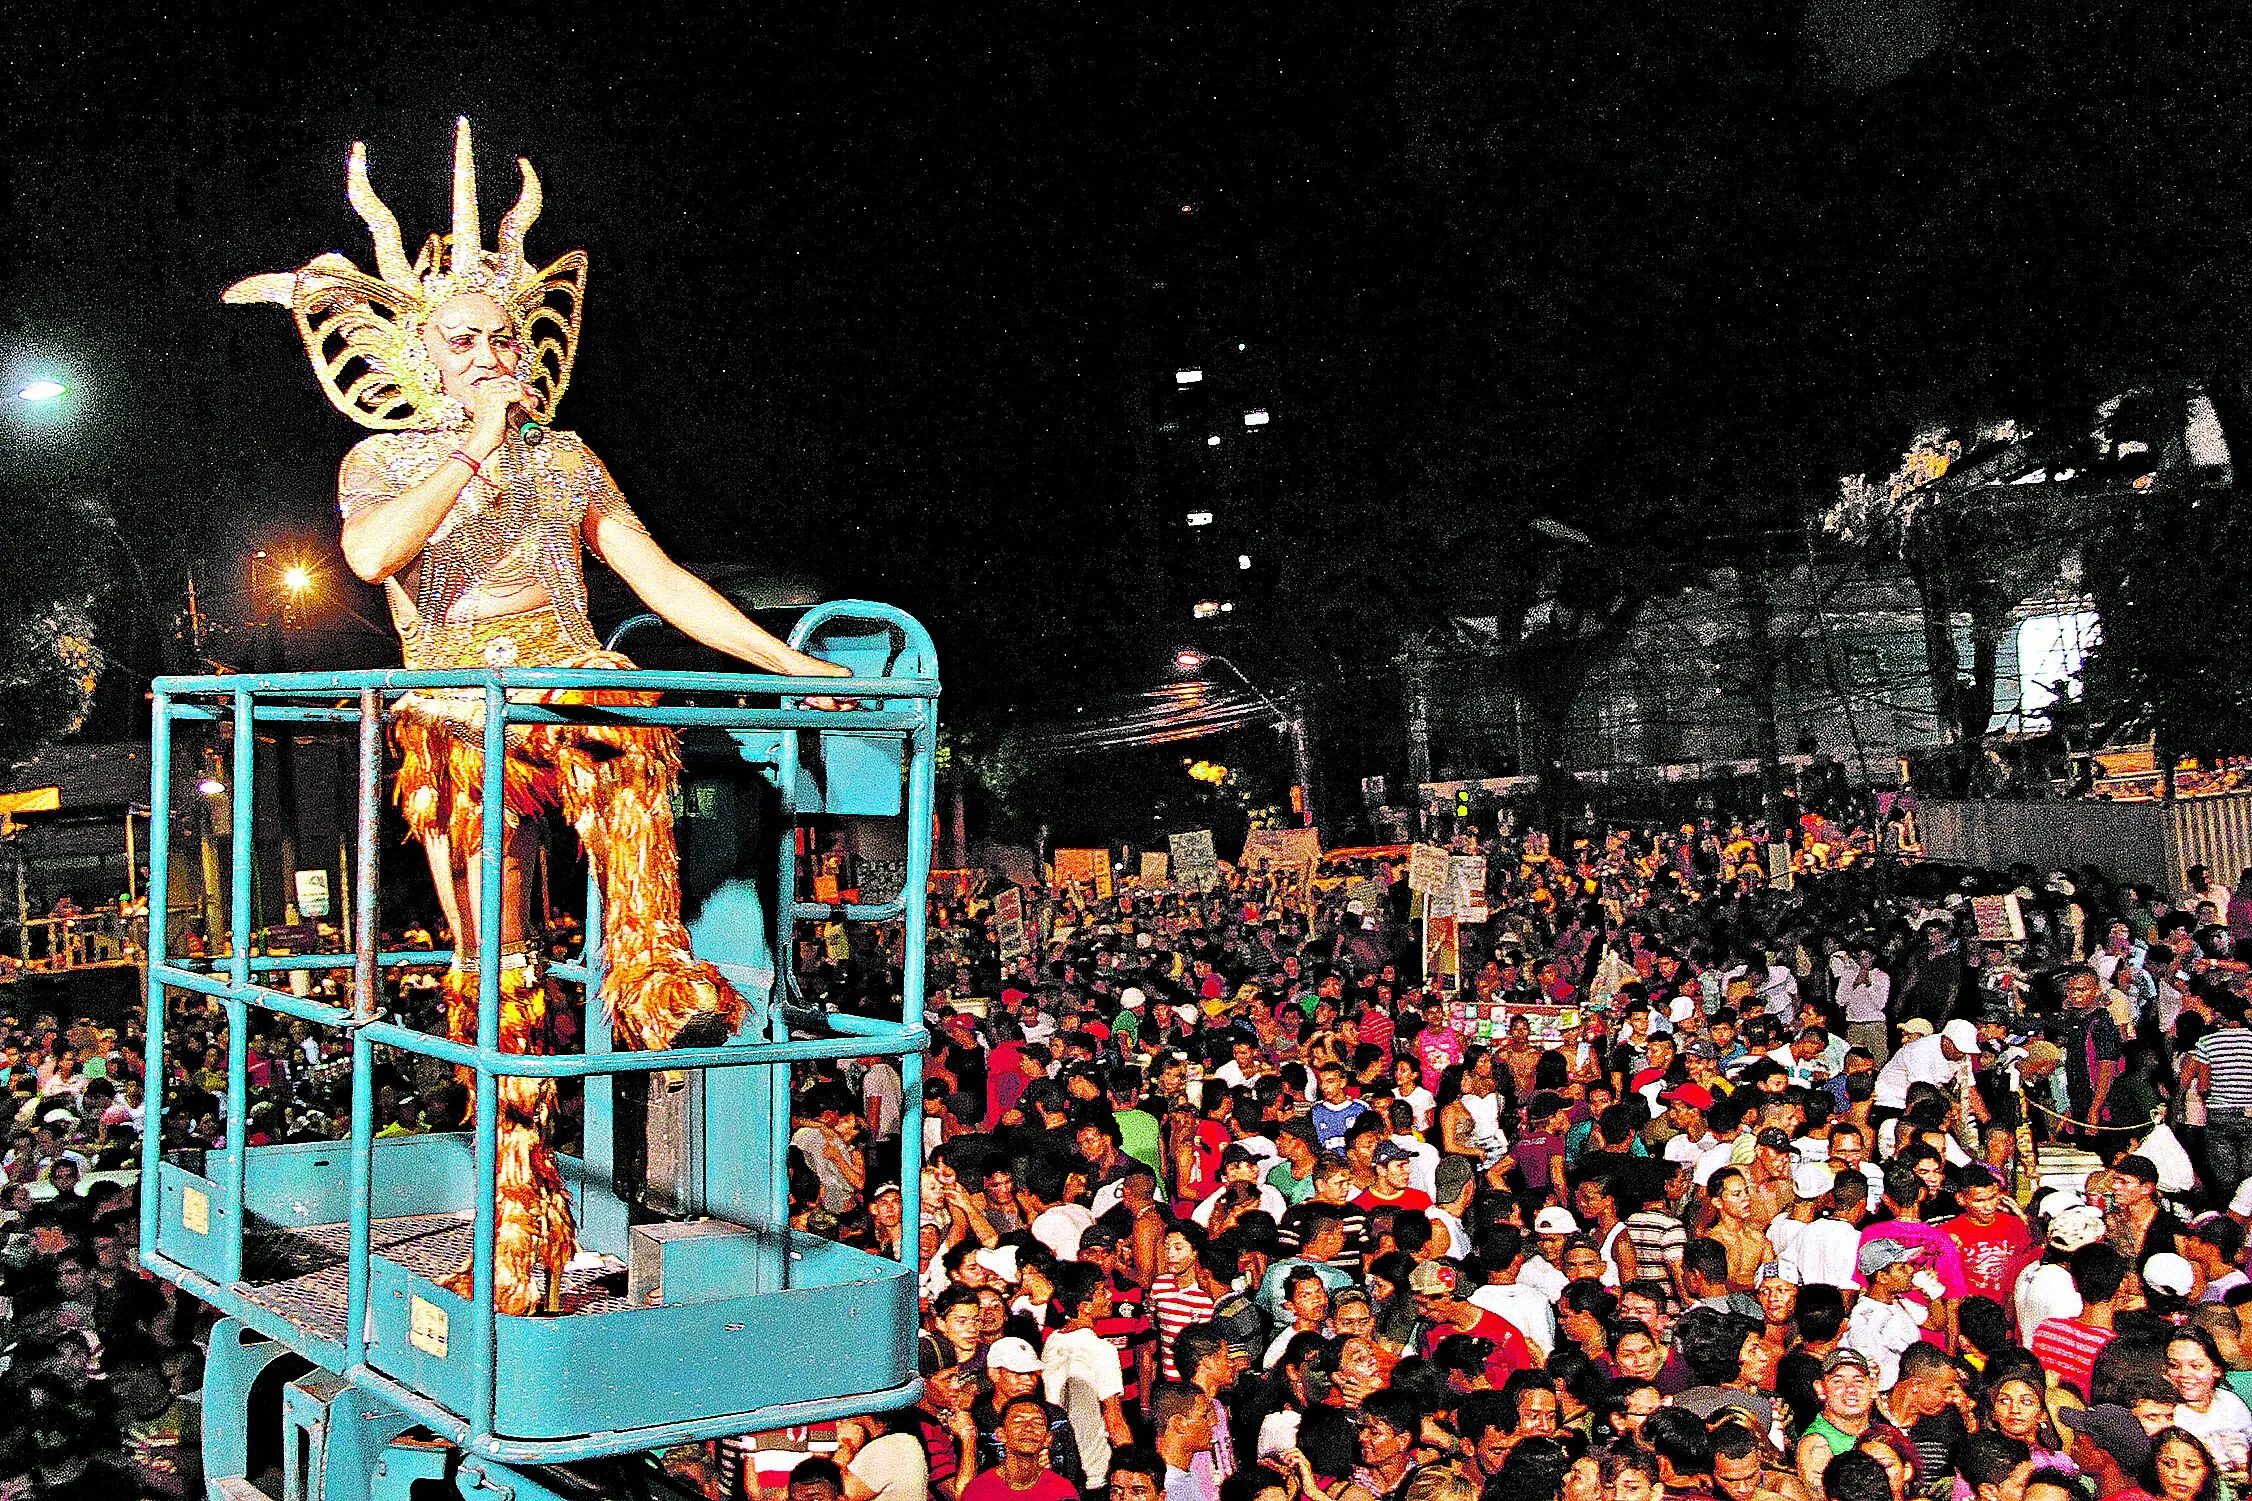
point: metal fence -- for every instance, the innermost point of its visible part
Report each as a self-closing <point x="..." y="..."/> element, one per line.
<point x="2152" y="842"/>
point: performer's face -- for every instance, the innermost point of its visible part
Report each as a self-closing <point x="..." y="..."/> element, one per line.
<point x="471" y="340"/>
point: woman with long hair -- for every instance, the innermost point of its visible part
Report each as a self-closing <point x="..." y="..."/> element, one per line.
<point x="2015" y="1404"/>
<point x="2209" y="1410"/>
<point x="2180" y="1468"/>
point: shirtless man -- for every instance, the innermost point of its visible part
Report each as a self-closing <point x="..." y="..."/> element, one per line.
<point x="1737" y="1227"/>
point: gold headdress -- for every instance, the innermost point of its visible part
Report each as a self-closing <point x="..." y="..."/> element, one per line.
<point x="364" y="333"/>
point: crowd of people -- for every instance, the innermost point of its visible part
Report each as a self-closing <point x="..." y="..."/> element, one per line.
<point x="1883" y="1182"/>
<point x="1698" y="1185"/>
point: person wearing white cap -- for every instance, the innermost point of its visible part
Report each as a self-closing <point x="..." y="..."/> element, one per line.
<point x="2045" y="1290"/>
<point x="1882" y="1323"/>
<point x="1942" y="1059"/>
<point x="1017" y="1371"/>
<point x="1541" y="1273"/>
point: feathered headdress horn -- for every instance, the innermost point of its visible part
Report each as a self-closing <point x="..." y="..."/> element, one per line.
<point x="383" y="226"/>
<point x="364" y="333"/>
<point x="468" y="238"/>
<point x="510" y="245"/>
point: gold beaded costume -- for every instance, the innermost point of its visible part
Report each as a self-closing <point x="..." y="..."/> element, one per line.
<point x="516" y="529"/>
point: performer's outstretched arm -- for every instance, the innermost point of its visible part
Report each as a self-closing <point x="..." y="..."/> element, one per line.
<point x="689" y="603"/>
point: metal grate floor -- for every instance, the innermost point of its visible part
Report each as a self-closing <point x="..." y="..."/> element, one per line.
<point x="300" y="1273"/>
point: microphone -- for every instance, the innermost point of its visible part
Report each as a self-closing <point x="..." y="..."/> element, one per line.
<point x="533" y="433"/>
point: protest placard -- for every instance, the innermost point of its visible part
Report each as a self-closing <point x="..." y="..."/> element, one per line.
<point x="1089" y="869"/>
<point x="1008" y="925"/>
<point x="1428" y="868"/>
<point x="1195" y="863"/>
<point x="1999" y="919"/>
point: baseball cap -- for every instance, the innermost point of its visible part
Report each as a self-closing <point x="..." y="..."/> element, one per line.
<point x="1914" y="1026"/>
<point x="1001" y="1261"/>
<point x="2081" y="1225"/>
<point x="1778" y="1271"/>
<point x="2242" y="1202"/>
<point x="1390" y="1151"/>
<point x="881" y="1189"/>
<point x="2113" y="1429"/>
<point x="1963" y="1033"/>
<point x="1845" y="1355"/>
<point x="2169" y="1273"/>
<point x="1689" y="1094"/>
<point x="1703" y="1048"/>
<point x="1882" y="1252"/>
<point x="1554" y="1221"/>
<point x="1813" y="1179"/>
<point x="1012" y="1354"/>
<point x="1775" y="1139"/>
<point x="1432" y="1278"/>
<point x="1131" y="998"/>
<point x="2040" y="1050"/>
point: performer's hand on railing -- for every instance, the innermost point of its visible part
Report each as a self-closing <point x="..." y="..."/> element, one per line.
<point x="815" y="667"/>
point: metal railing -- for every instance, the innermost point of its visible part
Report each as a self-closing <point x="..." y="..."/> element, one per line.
<point x="908" y="711"/>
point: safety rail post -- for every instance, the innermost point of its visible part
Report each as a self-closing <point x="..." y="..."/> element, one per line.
<point x="493" y="832"/>
<point x="243" y="851"/>
<point x="365" y="931"/>
<point x="788" y="758"/>
<point x="160" y="887"/>
<point x="922" y="796"/>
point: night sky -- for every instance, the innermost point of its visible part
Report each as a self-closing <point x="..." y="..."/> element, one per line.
<point x="876" y="299"/>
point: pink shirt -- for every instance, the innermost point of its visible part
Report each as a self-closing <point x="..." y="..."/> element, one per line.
<point x="1436" y="1048"/>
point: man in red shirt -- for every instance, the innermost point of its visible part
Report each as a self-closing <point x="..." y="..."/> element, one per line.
<point x="2067" y="1348"/>
<point x="1023" y="1474"/>
<point x="1996" y="1246"/>
<point x="1392" y="1163"/>
<point x="1433" y="1285"/>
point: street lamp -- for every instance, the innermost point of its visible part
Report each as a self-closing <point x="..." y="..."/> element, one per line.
<point x="1189" y="659"/>
<point x="297" y="578"/>
<point x="42" y="391"/>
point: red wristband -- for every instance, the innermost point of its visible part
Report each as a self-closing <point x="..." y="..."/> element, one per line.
<point x="474" y="467"/>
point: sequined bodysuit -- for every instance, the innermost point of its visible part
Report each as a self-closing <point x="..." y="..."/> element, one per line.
<point x="513" y="534"/>
<point x="501" y="583"/>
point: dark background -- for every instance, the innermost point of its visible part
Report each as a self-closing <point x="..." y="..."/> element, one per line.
<point x="887" y="299"/>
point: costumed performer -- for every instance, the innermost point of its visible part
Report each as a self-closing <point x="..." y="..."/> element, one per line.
<point x="471" y="513"/>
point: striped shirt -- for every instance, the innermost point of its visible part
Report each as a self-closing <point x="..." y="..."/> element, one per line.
<point x="1659" y="1241"/>
<point x="2067" y="1350"/>
<point x="1175" y="1306"/>
<point x="2227" y="1051"/>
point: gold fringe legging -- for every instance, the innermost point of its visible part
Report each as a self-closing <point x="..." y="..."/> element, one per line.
<point x="615" y="785"/>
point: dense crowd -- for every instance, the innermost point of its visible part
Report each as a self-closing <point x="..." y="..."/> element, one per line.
<point x="1881" y="1182"/>
<point x="1697" y="1185"/>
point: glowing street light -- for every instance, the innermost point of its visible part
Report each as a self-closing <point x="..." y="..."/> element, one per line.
<point x="210" y="786"/>
<point x="41" y="391"/>
<point x="297" y="578"/>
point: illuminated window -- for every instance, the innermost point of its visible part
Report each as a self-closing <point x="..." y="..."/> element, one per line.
<point x="1187" y="377"/>
<point x="1255" y="419"/>
<point x="1200" y="518"/>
